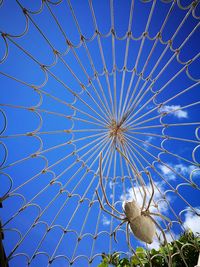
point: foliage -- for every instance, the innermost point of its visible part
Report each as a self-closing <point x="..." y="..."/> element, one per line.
<point x="188" y="244"/>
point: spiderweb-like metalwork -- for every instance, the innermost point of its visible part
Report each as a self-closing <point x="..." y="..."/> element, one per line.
<point x="81" y="78"/>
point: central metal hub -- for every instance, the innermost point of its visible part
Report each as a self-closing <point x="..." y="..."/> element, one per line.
<point x="116" y="132"/>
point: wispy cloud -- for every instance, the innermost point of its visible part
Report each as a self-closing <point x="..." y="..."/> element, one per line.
<point x="105" y="220"/>
<point x="149" y="139"/>
<point x="111" y="184"/>
<point x="192" y="221"/>
<point x="185" y="170"/>
<point x="150" y="107"/>
<point x="180" y="114"/>
<point x="111" y="196"/>
<point x="179" y="168"/>
<point x="167" y="172"/>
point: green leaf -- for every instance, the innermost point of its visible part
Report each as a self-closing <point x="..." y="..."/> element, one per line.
<point x="140" y="250"/>
<point x="190" y="253"/>
<point x="153" y="252"/>
<point x="141" y="253"/>
<point x="103" y="264"/>
<point x="124" y="262"/>
<point x="134" y="261"/>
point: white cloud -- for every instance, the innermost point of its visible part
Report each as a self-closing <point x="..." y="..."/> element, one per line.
<point x="156" y="244"/>
<point x="150" y="107"/>
<point x="185" y="170"/>
<point x="192" y="221"/>
<point x="181" y="114"/>
<point x="111" y="196"/>
<point x="162" y="205"/>
<point x="179" y="168"/>
<point x="111" y="184"/>
<point x="167" y="172"/>
<point x="105" y="220"/>
<point x="148" y="140"/>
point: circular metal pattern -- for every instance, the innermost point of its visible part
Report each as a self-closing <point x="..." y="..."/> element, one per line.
<point x="84" y="79"/>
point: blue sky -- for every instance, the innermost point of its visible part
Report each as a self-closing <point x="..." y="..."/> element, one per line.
<point x="59" y="116"/>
